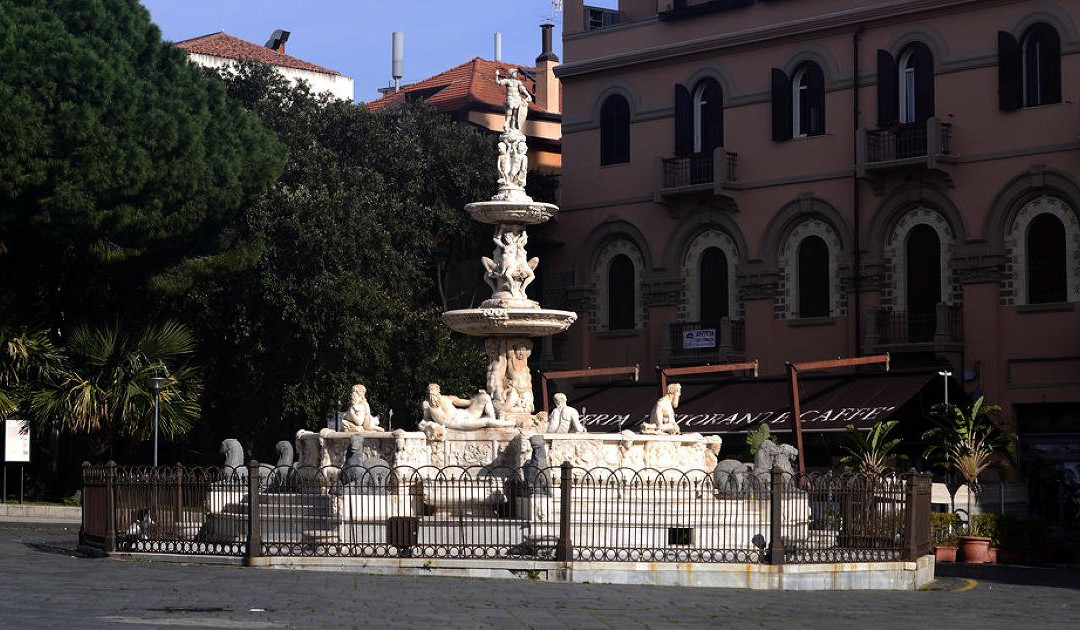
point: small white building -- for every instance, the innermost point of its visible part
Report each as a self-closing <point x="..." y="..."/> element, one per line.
<point x="220" y="49"/>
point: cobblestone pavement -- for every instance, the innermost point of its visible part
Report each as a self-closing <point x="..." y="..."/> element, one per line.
<point x="46" y="583"/>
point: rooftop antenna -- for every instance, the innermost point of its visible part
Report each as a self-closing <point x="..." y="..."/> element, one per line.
<point x="397" y="58"/>
<point x="556" y="7"/>
<point x="498" y="46"/>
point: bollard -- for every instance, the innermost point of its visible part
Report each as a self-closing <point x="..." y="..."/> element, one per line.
<point x="776" y="538"/>
<point x="110" y="506"/>
<point x="254" y="542"/>
<point x="564" y="552"/>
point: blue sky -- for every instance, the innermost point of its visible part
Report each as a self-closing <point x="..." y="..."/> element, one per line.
<point x="353" y="36"/>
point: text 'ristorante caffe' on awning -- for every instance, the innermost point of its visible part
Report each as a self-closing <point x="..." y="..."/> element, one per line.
<point x="828" y="403"/>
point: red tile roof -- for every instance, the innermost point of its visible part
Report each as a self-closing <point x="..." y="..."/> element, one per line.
<point x="461" y="86"/>
<point x="224" y="45"/>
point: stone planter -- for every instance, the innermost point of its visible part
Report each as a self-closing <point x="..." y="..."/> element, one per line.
<point x="945" y="553"/>
<point x="974" y="549"/>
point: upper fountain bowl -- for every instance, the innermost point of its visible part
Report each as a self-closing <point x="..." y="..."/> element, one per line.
<point x="496" y="212"/>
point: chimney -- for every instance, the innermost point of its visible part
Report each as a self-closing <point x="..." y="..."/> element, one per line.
<point x="277" y="41"/>
<point x="547" y="86"/>
<point x="397" y="58"/>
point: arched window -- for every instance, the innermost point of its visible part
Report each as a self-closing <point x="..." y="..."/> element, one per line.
<point x="905" y="85"/>
<point x="813" y="277"/>
<point x="615" y="130"/>
<point x="1046" y="260"/>
<point x="708" y="116"/>
<point x="923" y="275"/>
<point x="1041" y="49"/>
<point x="713" y="287"/>
<point x="808" y="100"/>
<point x="621" y="290"/>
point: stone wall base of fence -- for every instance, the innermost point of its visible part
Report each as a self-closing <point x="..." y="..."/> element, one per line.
<point x="846" y="576"/>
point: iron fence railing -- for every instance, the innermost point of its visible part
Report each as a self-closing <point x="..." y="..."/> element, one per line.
<point x="908" y="140"/>
<point x="897" y="327"/>
<point x="558" y="513"/>
<point x="700" y="168"/>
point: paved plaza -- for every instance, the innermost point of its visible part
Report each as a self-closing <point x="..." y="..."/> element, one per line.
<point x="47" y="583"/>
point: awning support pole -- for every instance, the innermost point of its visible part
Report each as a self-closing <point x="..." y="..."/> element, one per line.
<point x="793" y="391"/>
<point x="633" y="371"/>
<point x="748" y="366"/>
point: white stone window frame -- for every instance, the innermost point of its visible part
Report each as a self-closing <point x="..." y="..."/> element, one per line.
<point x="692" y="271"/>
<point x="600" y="268"/>
<point x="790" y="257"/>
<point x="896" y="252"/>
<point x="1017" y="242"/>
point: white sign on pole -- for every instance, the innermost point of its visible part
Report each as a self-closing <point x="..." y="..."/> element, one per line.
<point x="701" y="338"/>
<point x="16" y="441"/>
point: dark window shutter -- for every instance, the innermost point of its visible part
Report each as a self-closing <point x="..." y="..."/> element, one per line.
<point x="887" y="83"/>
<point x="614" y="130"/>
<point x="813" y="277"/>
<point x="1010" y="73"/>
<point x="815" y="114"/>
<point x="924" y="82"/>
<point x="781" y="106"/>
<point x="714" y="116"/>
<point x="1051" y="89"/>
<point x="684" y="121"/>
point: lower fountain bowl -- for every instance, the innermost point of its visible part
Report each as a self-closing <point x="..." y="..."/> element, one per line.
<point x="511" y="212"/>
<point x="521" y="322"/>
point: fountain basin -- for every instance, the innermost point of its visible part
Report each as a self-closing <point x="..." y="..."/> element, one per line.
<point x="521" y="322"/>
<point x="511" y="212"/>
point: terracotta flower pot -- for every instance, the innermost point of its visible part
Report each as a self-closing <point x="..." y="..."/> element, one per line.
<point x="992" y="555"/>
<point x="975" y="549"/>
<point x="945" y="553"/>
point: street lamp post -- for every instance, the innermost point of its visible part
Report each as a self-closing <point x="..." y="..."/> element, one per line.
<point x="945" y="374"/>
<point x="156" y="383"/>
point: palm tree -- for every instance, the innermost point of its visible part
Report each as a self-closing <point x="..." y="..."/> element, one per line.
<point x="103" y="391"/>
<point x="870" y="452"/>
<point x="27" y="357"/>
<point x="968" y="441"/>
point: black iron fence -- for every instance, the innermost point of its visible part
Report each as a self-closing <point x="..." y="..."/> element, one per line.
<point x="895" y="327"/>
<point x="559" y="513"/>
<point x="692" y="170"/>
<point x="908" y="140"/>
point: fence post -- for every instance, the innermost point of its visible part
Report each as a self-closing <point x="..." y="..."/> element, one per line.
<point x="179" y="471"/>
<point x="776" y="538"/>
<point x="254" y="542"/>
<point x="110" y="506"/>
<point x="911" y="512"/>
<point x="564" y="552"/>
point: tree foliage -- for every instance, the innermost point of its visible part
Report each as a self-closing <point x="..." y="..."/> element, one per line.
<point x="101" y="388"/>
<point x="119" y="161"/>
<point x="346" y="286"/>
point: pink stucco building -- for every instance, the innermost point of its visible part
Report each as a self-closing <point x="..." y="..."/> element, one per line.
<point x="810" y="180"/>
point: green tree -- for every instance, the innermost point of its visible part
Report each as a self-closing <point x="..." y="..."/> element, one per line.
<point x="346" y="287"/>
<point x="968" y="440"/>
<point x="871" y="452"/>
<point x="120" y="162"/>
<point x="102" y="388"/>
<point x="28" y="358"/>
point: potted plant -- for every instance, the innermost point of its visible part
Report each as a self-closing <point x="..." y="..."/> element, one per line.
<point x="986" y="525"/>
<point x="943" y="527"/>
<point x="871" y="452"/>
<point x="967" y="440"/>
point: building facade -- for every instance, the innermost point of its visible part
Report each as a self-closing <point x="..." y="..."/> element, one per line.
<point x="219" y="50"/>
<point x="785" y="181"/>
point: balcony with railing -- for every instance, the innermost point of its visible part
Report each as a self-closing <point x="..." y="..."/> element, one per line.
<point x="925" y="144"/>
<point x="709" y="173"/>
<point x="670" y="10"/>
<point x="939" y="331"/>
<point x="713" y="341"/>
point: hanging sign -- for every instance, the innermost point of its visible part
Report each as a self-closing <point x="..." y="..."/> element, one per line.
<point x="700" y="338"/>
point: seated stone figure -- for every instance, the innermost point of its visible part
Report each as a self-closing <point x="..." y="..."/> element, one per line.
<point x="358" y="417"/>
<point x="662" y="419"/>
<point x="563" y="419"/>
<point x="453" y="412"/>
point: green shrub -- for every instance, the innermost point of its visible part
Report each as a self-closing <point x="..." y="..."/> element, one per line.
<point x="944" y="527"/>
<point x="986" y="525"/>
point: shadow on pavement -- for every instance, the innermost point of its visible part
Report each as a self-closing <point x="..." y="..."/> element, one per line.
<point x="1052" y="576"/>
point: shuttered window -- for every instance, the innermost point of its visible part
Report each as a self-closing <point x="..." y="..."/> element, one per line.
<point x="714" y="285"/>
<point x="808" y="100"/>
<point x="621" y="293"/>
<point x="614" y="130"/>
<point x="813" y="277"/>
<point x="905" y="86"/>
<point x="781" y="106"/>
<point x="1046" y="260"/>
